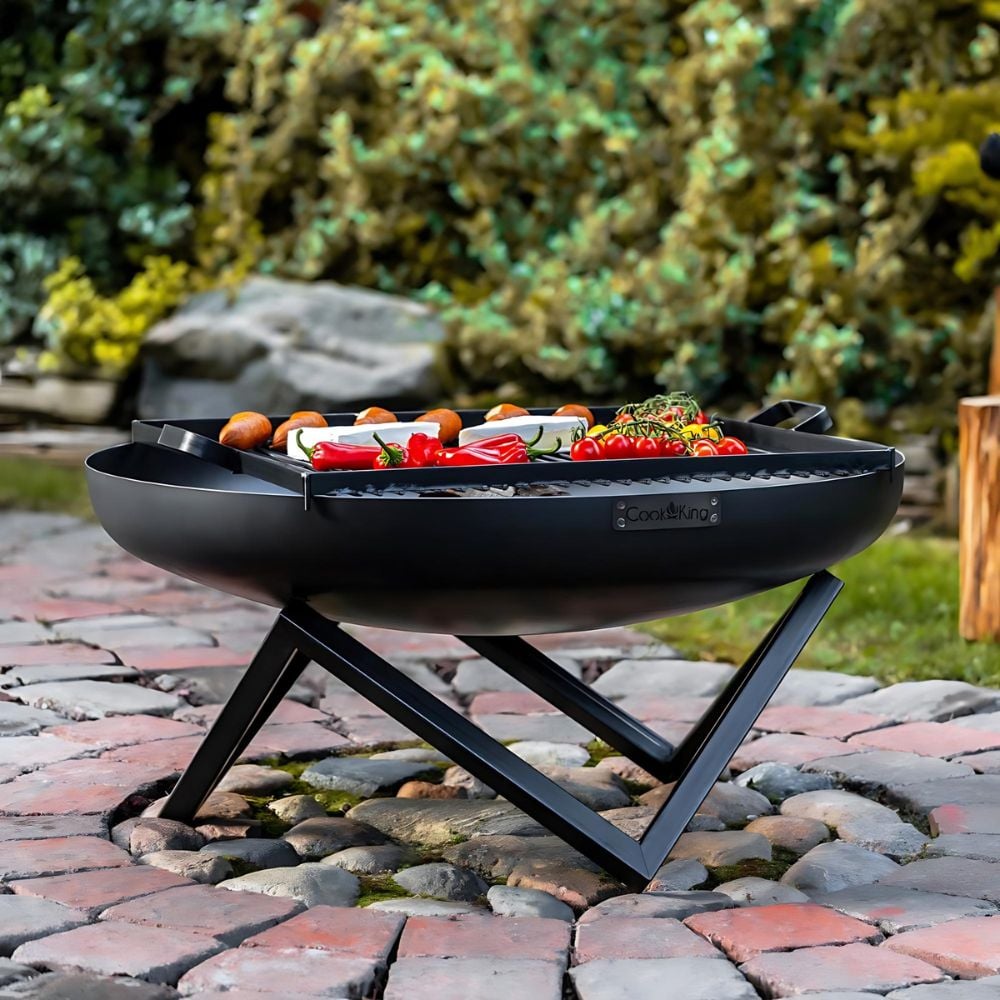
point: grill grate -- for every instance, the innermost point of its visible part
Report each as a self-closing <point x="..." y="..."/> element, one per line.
<point x="774" y="453"/>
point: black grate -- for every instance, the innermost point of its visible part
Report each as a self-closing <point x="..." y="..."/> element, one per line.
<point x="774" y="452"/>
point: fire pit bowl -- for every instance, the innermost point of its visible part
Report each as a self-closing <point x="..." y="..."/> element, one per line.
<point x="511" y="550"/>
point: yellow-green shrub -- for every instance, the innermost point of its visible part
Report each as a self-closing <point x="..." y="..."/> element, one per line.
<point x="737" y="197"/>
<point x="89" y="332"/>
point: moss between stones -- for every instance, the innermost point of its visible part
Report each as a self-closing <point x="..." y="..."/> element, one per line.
<point x="270" y="824"/>
<point x="780" y="862"/>
<point x="598" y="750"/>
<point x="242" y="867"/>
<point x="375" y="888"/>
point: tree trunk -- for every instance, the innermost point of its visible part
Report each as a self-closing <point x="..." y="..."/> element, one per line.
<point x="979" y="527"/>
<point x="994" y="385"/>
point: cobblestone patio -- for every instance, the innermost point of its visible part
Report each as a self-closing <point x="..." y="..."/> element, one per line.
<point x="854" y="850"/>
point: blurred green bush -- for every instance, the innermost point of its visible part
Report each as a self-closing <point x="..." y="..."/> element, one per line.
<point x="736" y="197"/>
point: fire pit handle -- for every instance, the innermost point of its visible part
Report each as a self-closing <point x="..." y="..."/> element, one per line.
<point x="198" y="446"/>
<point x="813" y="418"/>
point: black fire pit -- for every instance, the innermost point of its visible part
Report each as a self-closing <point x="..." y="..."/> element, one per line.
<point x="493" y="553"/>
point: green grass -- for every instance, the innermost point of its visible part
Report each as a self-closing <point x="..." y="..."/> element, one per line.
<point x="896" y="618"/>
<point x="34" y="484"/>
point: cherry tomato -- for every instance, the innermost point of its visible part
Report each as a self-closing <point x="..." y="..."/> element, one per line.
<point x="586" y="450"/>
<point x="704" y="448"/>
<point x="700" y="418"/>
<point x="731" y="446"/>
<point x="672" y="414"/>
<point x="617" y="446"/>
<point x="646" y="448"/>
<point x="672" y="448"/>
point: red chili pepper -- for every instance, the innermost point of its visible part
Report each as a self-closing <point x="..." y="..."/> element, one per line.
<point x="423" y="448"/>
<point x="467" y="455"/>
<point x="394" y="456"/>
<point x="328" y="455"/>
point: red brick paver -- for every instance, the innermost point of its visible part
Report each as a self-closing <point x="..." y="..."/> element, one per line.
<point x="930" y="739"/>
<point x="744" y="933"/>
<point x="58" y="855"/>
<point x="202" y="909"/>
<point x="58" y="609"/>
<point x="93" y="891"/>
<point x="110" y="949"/>
<point x="475" y="936"/>
<point x="509" y="703"/>
<point x="788" y="748"/>
<point x="296" y="738"/>
<point x="157" y="660"/>
<point x="832" y="723"/>
<point x="966" y="948"/>
<point x="124" y="730"/>
<point x="52" y="652"/>
<point x="41" y="827"/>
<point x="639" y="938"/>
<point x="296" y="973"/>
<point x="30" y="797"/>
<point x="860" y="967"/>
<point x="360" y="933"/>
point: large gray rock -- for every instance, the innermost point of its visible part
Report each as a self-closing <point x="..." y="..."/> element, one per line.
<point x="441" y="881"/>
<point x="255" y="851"/>
<point x="283" y="345"/>
<point x="375" y="860"/>
<point x="837" y="865"/>
<point x="361" y="776"/>
<point x="324" y="835"/>
<point x="194" y="865"/>
<point x="780" y="781"/>
<point x="147" y="835"/>
<point x="310" y="884"/>
<point x="254" y="779"/>
<point x="751" y="891"/>
<point x="438" y="822"/>
<point x="507" y="901"/>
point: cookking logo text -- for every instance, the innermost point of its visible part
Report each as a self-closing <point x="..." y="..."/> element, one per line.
<point x="645" y="513"/>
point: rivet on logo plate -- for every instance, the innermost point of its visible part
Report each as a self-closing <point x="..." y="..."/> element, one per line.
<point x="621" y="505"/>
<point x="715" y="501"/>
<point x="714" y="518"/>
<point x="620" y="522"/>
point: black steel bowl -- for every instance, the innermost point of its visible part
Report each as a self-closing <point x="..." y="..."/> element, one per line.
<point x="597" y="553"/>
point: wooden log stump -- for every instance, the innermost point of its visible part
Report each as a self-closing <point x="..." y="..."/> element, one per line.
<point x="979" y="524"/>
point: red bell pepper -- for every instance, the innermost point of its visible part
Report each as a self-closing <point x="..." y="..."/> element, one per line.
<point x="325" y="456"/>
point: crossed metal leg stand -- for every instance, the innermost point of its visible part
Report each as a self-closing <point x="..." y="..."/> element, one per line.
<point x="301" y="634"/>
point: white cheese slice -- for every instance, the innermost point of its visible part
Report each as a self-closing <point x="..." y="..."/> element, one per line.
<point x="398" y="433"/>
<point x="554" y="429"/>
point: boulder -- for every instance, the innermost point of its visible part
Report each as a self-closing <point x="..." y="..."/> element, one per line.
<point x="280" y="346"/>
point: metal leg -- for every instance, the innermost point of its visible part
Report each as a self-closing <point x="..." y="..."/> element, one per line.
<point x="302" y="634"/>
<point x="577" y="700"/>
<point x="466" y="744"/>
<point x="710" y="745"/>
<point x="269" y="677"/>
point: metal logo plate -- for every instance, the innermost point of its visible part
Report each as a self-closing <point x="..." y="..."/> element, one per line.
<point x="654" y="513"/>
